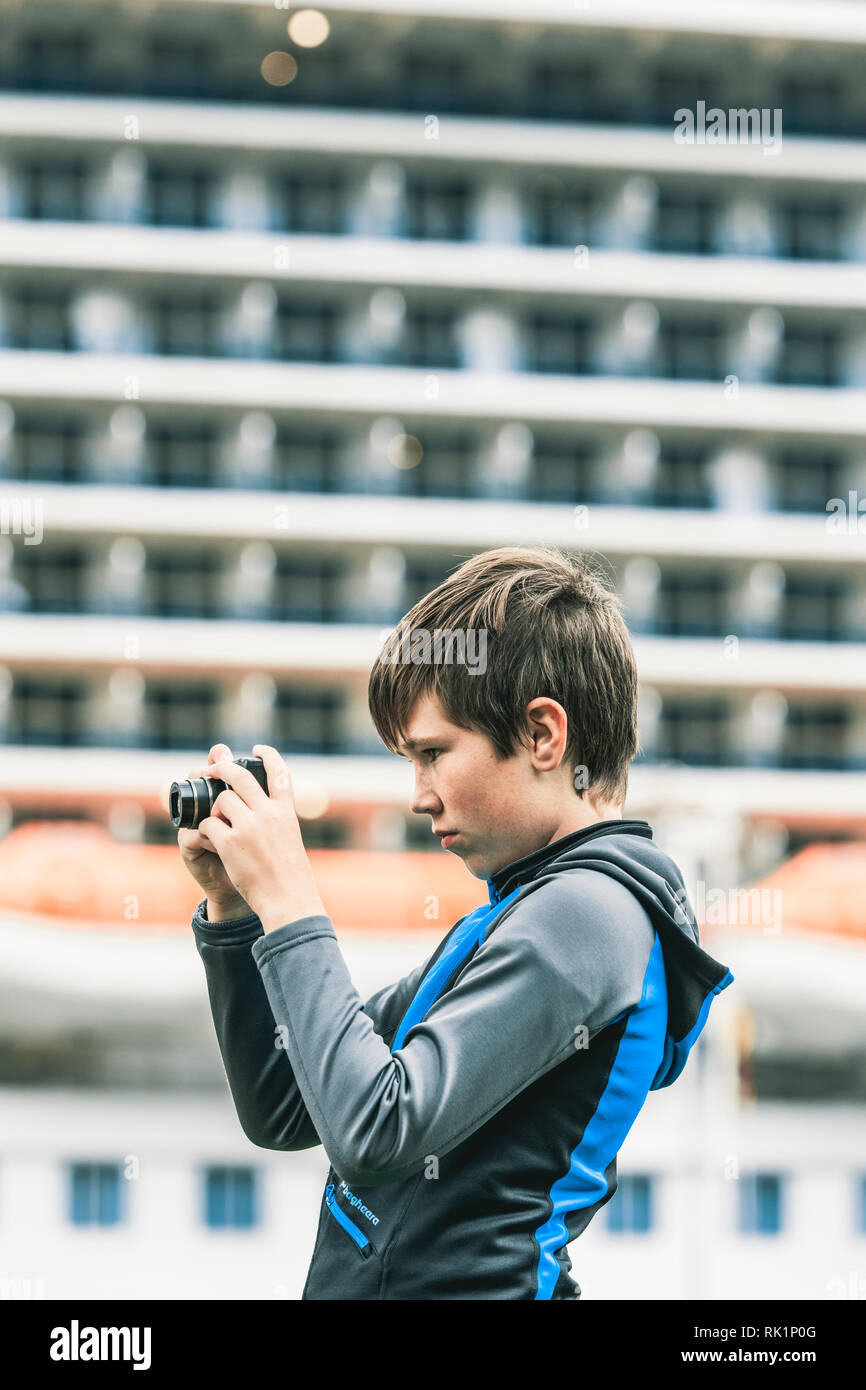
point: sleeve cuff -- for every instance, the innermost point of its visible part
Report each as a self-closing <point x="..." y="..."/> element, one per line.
<point x="304" y="929"/>
<point x="229" y="931"/>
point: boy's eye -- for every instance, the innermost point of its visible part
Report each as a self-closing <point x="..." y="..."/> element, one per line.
<point x="432" y="750"/>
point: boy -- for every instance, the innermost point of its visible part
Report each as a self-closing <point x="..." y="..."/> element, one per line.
<point x="472" y="1112"/>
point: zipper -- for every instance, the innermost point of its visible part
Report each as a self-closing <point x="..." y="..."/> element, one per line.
<point x="365" y="1249"/>
<point x="464" y="940"/>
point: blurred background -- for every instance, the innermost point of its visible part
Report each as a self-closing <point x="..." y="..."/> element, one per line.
<point x="300" y="308"/>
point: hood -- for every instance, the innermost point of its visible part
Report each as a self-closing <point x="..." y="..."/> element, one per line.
<point x="626" y="850"/>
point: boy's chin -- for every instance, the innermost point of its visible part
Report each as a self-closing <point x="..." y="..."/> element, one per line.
<point x="475" y="867"/>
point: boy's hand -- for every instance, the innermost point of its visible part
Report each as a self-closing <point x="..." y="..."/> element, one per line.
<point x="199" y="856"/>
<point x="258" y="839"/>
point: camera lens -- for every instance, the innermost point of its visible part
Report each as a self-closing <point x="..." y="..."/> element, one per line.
<point x="189" y="802"/>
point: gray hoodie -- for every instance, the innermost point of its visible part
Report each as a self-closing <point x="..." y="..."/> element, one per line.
<point x="472" y="1112"/>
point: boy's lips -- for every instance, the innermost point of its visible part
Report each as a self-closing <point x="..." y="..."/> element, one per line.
<point x="446" y="836"/>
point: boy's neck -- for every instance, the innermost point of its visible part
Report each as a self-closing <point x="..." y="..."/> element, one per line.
<point x="584" y="816"/>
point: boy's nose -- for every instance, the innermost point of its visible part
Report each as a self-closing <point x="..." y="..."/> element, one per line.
<point x="425" y="802"/>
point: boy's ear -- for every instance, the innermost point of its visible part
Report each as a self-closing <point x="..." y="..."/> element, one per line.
<point x="548" y="724"/>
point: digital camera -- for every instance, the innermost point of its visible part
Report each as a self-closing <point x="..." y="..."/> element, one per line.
<point x="191" y="801"/>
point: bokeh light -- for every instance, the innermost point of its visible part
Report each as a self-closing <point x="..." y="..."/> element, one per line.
<point x="308" y="28"/>
<point x="405" y="451"/>
<point x="311" y="802"/>
<point x="279" y="69"/>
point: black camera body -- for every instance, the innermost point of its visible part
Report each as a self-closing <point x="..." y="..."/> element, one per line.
<point x="191" y="801"/>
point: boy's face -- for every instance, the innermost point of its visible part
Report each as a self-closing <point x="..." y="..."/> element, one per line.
<point x="501" y="811"/>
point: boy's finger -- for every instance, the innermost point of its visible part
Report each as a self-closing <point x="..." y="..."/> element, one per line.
<point x="279" y="777"/>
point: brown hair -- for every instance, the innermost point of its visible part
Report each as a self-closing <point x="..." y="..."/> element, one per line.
<point x="553" y="628"/>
